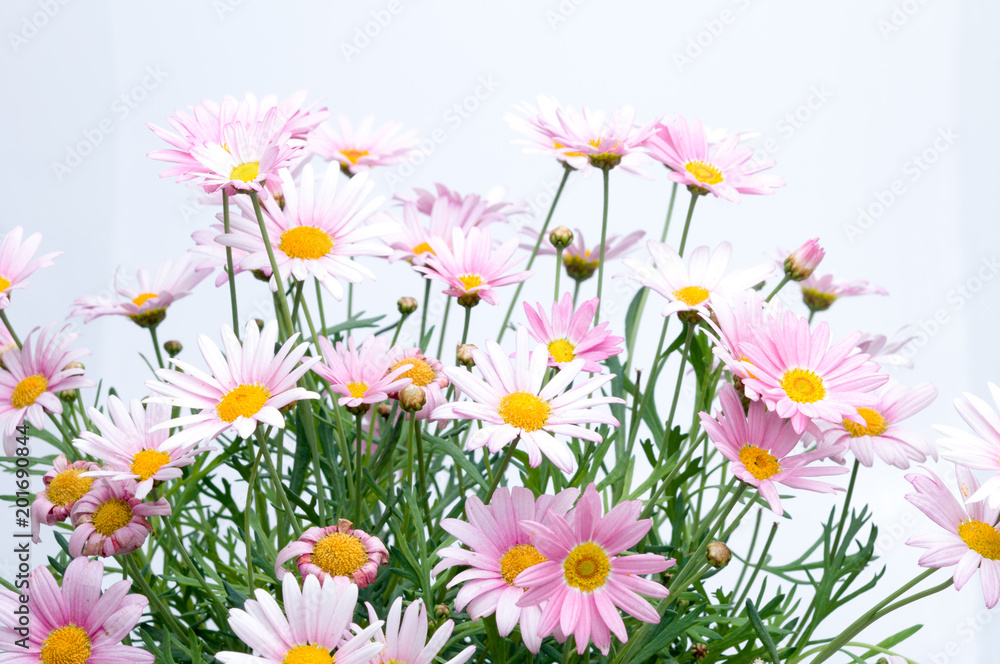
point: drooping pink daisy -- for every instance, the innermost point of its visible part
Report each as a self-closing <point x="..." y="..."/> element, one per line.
<point x="340" y="550"/>
<point x="581" y="262"/>
<point x="424" y="372"/>
<point x="819" y="293"/>
<point x="361" y="376"/>
<point x="34" y="375"/>
<point x="111" y="521"/>
<point x="75" y="623"/>
<point x="317" y="629"/>
<point x="246" y="386"/>
<point x="358" y="149"/>
<point x="585" y="579"/>
<point x="888" y="351"/>
<point x="405" y="638"/>
<point x="758" y="444"/>
<point x="971" y="541"/>
<point x="734" y="319"/>
<point x="802" y="377"/>
<point x="569" y="336"/>
<point x="514" y="402"/>
<point x="468" y="210"/>
<point x="980" y="449"/>
<point x="694" y="286"/>
<point x="64" y="485"/>
<point x="881" y="433"/>
<point x="17" y="261"/>
<point x="539" y="124"/>
<point x="500" y="548"/>
<point x="146" y="305"/>
<point x="605" y="140"/>
<point x="412" y="242"/>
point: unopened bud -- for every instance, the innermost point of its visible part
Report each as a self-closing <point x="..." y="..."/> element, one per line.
<point x="68" y="395"/>
<point x="260" y="275"/>
<point x="412" y="398"/>
<point x="73" y="365"/>
<point x="259" y="322"/>
<point x="561" y="237"/>
<point x="173" y="347"/>
<point x="441" y="611"/>
<point x="384" y="409"/>
<point x="406" y="305"/>
<point x="464" y="355"/>
<point x="287" y="408"/>
<point x="802" y="262"/>
<point x="699" y="651"/>
<point x="718" y="554"/>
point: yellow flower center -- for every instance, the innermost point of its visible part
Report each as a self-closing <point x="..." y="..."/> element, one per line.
<point x="340" y="554"/>
<point x="243" y="401"/>
<point x="761" y="463"/>
<point x="562" y="350"/>
<point x="803" y="386"/>
<point x="692" y="295"/>
<point x="875" y="424"/>
<point x="306" y="242"/>
<point x="420" y="372"/>
<point x="517" y="559"/>
<point x="982" y="538"/>
<point x="423" y="248"/>
<point x="353" y="155"/>
<point x="246" y="172"/>
<point x="29" y="389"/>
<point x="111" y="516"/>
<point x="4" y="284"/>
<point x="357" y="390"/>
<point x="587" y="567"/>
<point x="704" y="173"/>
<point x="68" y="487"/>
<point x="470" y="281"/>
<point x="568" y="154"/>
<point x="817" y="300"/>
<point x="524" y="411"/>
<point x="146" y="463"/>
<point x="141" y="300"/>
<point x="66" y="645"/>
<point x="308" y="654"/>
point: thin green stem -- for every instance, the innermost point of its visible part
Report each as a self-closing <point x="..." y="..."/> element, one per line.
<point x="687" y="222"/>
<point x="221" y="611"/>
<point x="604" y="239"/>
<point x="229" y="265"/>
<point x="154" y="599"/>
<point x="247" y="536"/>
<point x="421" y="462"/>
<point x="423" y="315"/>
<point x="279" y="486"/>
<point x="847" y="506"/>
<point x="319" y="305"/>
<point x="465" y="328"/>
<point x="677" y="386"/>
<point x="757" y="567"/>
<point x="275" y="273"/>
<point x="156" y="346"/>
<point x="781" y="284"/>
<point x="559" y="255"/>
<point x="503" y="467"/>
<point x="444" y="326"/>
<point x="670" y="212"/>
<point x="10" y="328"/>
<point x="358" y="460"/>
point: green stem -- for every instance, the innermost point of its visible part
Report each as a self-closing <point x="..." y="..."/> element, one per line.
<point x="465" y="328"/>
<point x="559" y="255"/>
<point x="279" y="487"/>
<point x="444" y="325"/>
<point x="282" y="300"/>
<point x="687" y="222"/>
<point x="677" y="385"/>
<point x="670" y="212"/>
<point x="576" y="292"/>
<point x="423" y="315"/>
<point x="847" y="506"/>
<point x="359" y="440"/>
<point x="10" y="328"/>
<point x="229" y="265"/>
<point x="399" y="327"/>
<point x="784" y="280"/>
<point x="154" y="599"/>
<point x="757" y="567"/>
<point x="222" y="611"/>
<point x="503" y="467"/>
<point x="604" y="239"/>
<point x="319" y="305"/>
<point x="247" y="536"/>
<point x="350" y="299"/>
<point x="156" y="346"/>
<point x="421" y="463"/>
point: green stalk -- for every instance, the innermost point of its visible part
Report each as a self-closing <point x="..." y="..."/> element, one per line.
<point x="444" y="325"/>
<point x="604" y="238"/>
<point x="359" y="439"/>
<point x="229" y="265"/>
<point x="10" y="328"/>
<point x="559" y="255"/>
<point x="677" y="386"/>
<point x="279" y="487"/>
<point x="687" y="222"/>
<point x="465" y="329"/>
<point x="503" y="467"/>
<point x="156" y="346"/>
<point x="282" y="300"/>
<point x="423" y="315"/>
<point x="784" y="280"/>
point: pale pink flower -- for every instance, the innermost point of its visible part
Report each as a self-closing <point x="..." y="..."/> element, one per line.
<point x="17" y="261"/>
<point x="540" y="125"/>
<point x="357" y="149"/>
<point x="888" y="351"/>
<point x="468" y="210"/>
<point x="110" y="521"/>
<point x="424" y="372"/>
<point x="569" y="335"/>
<point x="340" y="550"/>
<point x="605" y="140"/>
<point x="405" y="638"/>
<point x="735" y="320"/>
<point x="819" y="293"/>
<point x="581" y="262"/>
<point x="801" y="263"/>
<point x="361" y="376"/>
<point x="412" y="241"/>
<point x="206" y="244"/>
<point x="64" y="485"/>
<point x="980" y="449"/>
<point x="6" y="342"/>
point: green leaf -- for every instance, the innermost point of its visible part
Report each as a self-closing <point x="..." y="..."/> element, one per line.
<point x="893" y="640"/>
<point x="765" y="636"/>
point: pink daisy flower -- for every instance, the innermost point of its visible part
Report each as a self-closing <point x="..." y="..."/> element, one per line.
<point x="881" y="433"/>
<point x="758" y="444"/>
<point x="585" y="579"/>
<point x="801" y="263"/>
<point x="514" y="402"/>
<point x="979" y="449"/>
<point x="247" y="386"/>
<point x="569" y="336"/>
<point x="75" y="622"/>
<point x="425" y="373"/>
<point x="539" y="125"/>
<point x="605" y="140"/>
<point x="340" y="550"/>
<point x="64" y="485"/>
<point x="802" y="377"/>
<point x="17" y="261"/>
<point x="361" y="376"/>
<point x="405" y="638"/>
<point x="207" y="244"/>
<point x="471" y="268"/>
<point x="500" y="548"/>
<point x="735" y="319"/>
<point x="695" y="286"/>
<point x="412" y="241"/>
<point x="35" y="374"/>
<point x="315" y="626"/>
<point x="888" y="351"/>
<point x="581" y="261"/>
<point x="111" y="521"/>
<point x="468" y="210"/>
<point x="819" y="293"/>
<point x="970" y="540"/>
<point x="358" y="149"/>
<point x="6" y="342"/>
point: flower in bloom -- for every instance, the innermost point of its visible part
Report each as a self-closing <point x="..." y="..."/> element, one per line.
<point x="314" y="628"/>
<point x="206" y="244"/>
<point x="802" y="377"/>
<point x="426" y="373"/>
<point x="146" y="305"/>
<point x="584" y="579"/>
<point x="471" y="268"/>
<point x="246" y="386"/>
<point x="75" y="623"/>
<point x="540" y="125"/>
<point x="315" y="232"/>
<point x="34" y="375"/>
<point x="758" y="445"/>
<point x="405" y="638"/>
<point x="17" y="261"/>
<point x="339" y="550"/>
<point x="819" y="293"/>
<point x="471" y="209"/>
<point x="581" y="261"/>
<point x="500" y="548"/>
<point x="512" y="403"/>
<point x="110" y="521"/>
<point x="734" y="320"/>
<point x="888" y="351"/>
<point x="693" y="287"/>
<point x="881" y="433"/>
<point x="361" y="376"/>
<point x="64" y="485"/>
<point x="979" y="449"/>
<point x="801" y="263"/>
<point x="604" y="140"/>
<point x="970" y="541"/>
<point x="358" y="149"/>
<point x="724" y="170"/>
<point x="569" y="336"/>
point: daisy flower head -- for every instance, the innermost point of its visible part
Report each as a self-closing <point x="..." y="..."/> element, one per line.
<point x="581" y="262"/>
<point x="247" y="385"/>
<point x="425" y="373"/>
<point x="888" y="351"/>
<point x="819" y="293"/>
<point x="340" y="550"/>
<point x="980" y="449"/>
<point x="540" y="125"/>
<point x="146" y="304"/>
<point x="361" y="376"/>
<point x="405" y="638"/>
<point x="971" y="541"/>
<point x="34" y="375"/>
<point x="758" y="444"/>
<point x="584" y="579"/>
<point x="111" y="521"/>
<point x="64" y="485"/>
<point x="74" y="623"/>
<point x="470" y="209"/>
<point x="17" y="261"/>
<point x="801" y="263"/>
<point x="500" y="548"/>
<point x="315" y="626"/>
<point x="881" y="434"/>
<point x="605" y="140"/>
<point x="357" y="149"/>
<point x="568" y="334"/>
<point x="734" y="320"/>
<point x="512" y="402"/>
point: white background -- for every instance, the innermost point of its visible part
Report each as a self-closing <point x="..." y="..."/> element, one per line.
<point x="849" y="93"/>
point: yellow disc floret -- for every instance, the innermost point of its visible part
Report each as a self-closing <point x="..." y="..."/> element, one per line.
<point x="420" y="372"/>
<point x="340" y="554"/>
<point x="27" y="390"/>
<point x="470" y="281"/>
<point x="982" y="538"/>
<point x="242" y="401"/>
<point x="66" y="645"/>
<point x="68" y="487"/>
<point x="142" y="297"/>
<point x="587" y="567"/>
<point x="692" y="295"/>
<point x="761" y="463"/>
<point x="704" y="173"/>
<point x="357" y="390"/>
<point x="524" y="411"/>
<point x="308" y="654"/>
<point x="4" y="284"/>
<point x="306" y="242"/>
<point x="562" y="350"/>
<point x="353" y="155"/>
<point x="111" y="516"/>
<point x="246" y="172"/>
<point x="875" y="424"/>
<point x="803" y="386"/>
<point x="147" y="463"/>
<point x="517" y="559"/>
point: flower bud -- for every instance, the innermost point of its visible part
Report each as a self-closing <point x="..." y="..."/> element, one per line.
<point x="699" y="651"/>
<point x="173" y="347"/>
<point x="406" y="305"/>
<point x="67" y="396"/>
<point x="441" y="611"/>
<point x="259" y="322"/>
<point x="561" y="237"/>
<point x="287" y="408"/>
<point x="802" y="262"/>
<point x="817" y="300"/>
<point x="384" y="409"/>
<point x="260" y="275"/>
<point x="464" y="355"/>
<point x="412" y="398"/>
<point x="73" y="365"/>
<point x="718" y="554"/>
